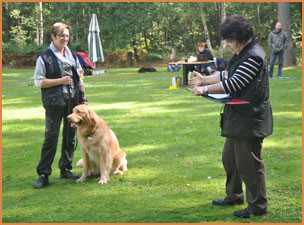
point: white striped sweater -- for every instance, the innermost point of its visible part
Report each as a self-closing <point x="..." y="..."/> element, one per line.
<point x="243" y="75"/>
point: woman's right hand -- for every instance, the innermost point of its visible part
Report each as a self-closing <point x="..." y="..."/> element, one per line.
<point x="198" y="80"/>
<point x="66" y="80"/>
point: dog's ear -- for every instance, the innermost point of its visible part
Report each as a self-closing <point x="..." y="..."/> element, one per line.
<point x="91" y="118"/>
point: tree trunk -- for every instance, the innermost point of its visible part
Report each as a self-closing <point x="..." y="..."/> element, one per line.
<point x="8" y="20"/>
<point x="37" y="37"/>
<point x="257" y="12"/>
<point x="48" y="7"/>
<point x="202" y="14"/>
<point x="223" y="17"/>
<point x="76" y="36"/>
<point x="129" y="59"/>
<point x="83" y="19"/>
<point x="41" y="24"/>
<point x="135" y="51"/>
<point x="284" y="18"/>
<point x="258" y="18"/>
<point x="146" y="42"/>
<point x="173" y="52"/>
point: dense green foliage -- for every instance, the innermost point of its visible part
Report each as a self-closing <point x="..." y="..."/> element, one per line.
<point x="173" y="145"/>
<point x="133" y="26"/>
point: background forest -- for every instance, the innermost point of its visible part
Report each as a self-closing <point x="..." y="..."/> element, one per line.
<point x="149" y="30"/>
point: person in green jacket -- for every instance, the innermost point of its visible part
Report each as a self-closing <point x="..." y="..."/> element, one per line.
<point x="277" y="42"/>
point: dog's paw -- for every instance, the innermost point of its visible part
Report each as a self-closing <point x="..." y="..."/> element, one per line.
<point x="125" y="165"/>
<point x="80" y="180"/>
<point x="103" y="180"/>
<point x="117" y="172"/>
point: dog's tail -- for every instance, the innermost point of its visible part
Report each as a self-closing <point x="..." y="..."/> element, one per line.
<point x="80" y="163"/>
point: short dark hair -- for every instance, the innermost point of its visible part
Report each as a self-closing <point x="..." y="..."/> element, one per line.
<point x="236" y="28"/>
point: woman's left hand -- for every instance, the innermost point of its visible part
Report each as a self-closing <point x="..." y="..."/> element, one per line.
<point x="197" y="90"/>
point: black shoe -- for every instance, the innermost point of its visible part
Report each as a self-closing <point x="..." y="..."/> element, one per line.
<point x="42" y="181"/>
<point x="225" y="202"/>
<point x="245" y="213"/>
<point x="65" y="173"/>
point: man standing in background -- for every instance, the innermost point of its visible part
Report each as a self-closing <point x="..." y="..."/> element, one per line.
<point x="278" y="43"/>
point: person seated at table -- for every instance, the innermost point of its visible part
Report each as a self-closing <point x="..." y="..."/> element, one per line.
<point x="204" y="55"/>
<point x="173" y="67"/>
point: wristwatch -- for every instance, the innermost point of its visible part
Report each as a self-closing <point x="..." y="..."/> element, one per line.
<point x="206" y="91"/>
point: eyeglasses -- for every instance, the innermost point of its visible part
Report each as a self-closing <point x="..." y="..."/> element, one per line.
<point x="62" y="36"/>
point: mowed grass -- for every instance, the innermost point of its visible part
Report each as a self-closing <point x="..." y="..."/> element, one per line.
<point x="173" y="145"/>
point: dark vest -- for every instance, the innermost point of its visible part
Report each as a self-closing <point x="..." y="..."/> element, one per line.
<point x="53" y="96"/>
<point x="253" y="120"/>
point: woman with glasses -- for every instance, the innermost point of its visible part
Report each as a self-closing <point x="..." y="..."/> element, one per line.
<point x="58" y="73"/>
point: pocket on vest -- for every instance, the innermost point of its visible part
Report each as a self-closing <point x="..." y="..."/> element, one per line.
<point x="53" y="101"/>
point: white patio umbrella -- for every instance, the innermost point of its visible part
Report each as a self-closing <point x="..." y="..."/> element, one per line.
<point x="94" y="43"/>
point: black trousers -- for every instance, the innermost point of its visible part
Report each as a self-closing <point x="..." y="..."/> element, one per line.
<point x="243" y="162"/>
<point x="53" y="118"/>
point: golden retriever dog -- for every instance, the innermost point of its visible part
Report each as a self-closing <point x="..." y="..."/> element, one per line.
<point x="101" y="153"/>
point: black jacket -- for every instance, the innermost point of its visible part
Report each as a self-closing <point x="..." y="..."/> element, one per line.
<point x="204" y="56"/>
<point x="253" y="120"/>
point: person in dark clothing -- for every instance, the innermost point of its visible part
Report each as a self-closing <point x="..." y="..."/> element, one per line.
<point x="204" y="55"/>
<point x="246" y="125"/>
<point x="58" y="73"/>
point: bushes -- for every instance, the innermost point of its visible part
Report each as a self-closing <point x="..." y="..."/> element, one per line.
<point x="16" y="56"/>
<point x="26" y="56"/>
<point x="28" y="49"/>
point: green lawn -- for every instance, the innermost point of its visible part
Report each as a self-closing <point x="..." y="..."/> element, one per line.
<point x="173" y="145"/>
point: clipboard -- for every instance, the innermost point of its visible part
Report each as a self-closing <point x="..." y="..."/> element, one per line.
<point x="223" y="98"/>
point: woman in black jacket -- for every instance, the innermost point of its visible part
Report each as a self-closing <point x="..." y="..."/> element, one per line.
<point x="246" y="125"/>
<point x="58" y="73"/>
